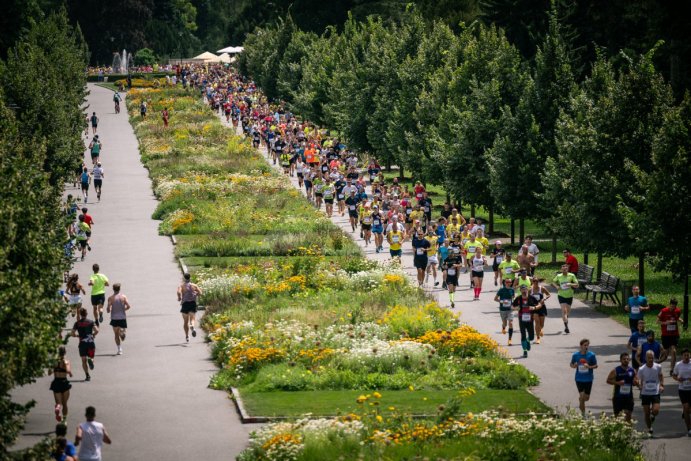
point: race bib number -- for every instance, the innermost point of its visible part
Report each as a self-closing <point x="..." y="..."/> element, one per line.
<point x="650" y="386"/>
<point x="536" y="297"/>
<point x="408" y="211"/>
<point x="340" y="196"/>
<point x="420" y="251"/>
<point x="565" y="286"/>
<point x="508" y="270"/>
<point x="395" y="238"/>
<point x="418" y="196"/>
<point x="635" y="309"/>
<point x="478" y="265"/>
<point x="625" y="389"/>
<point x="685" y="384"/>
<point x="426" y="209"/>
<point x="367" y="220"/>
<point x="525" y="317"/>
<point x="506" y="303"/>
<point x="451" y="271"/>
<point x="498" y="259"/>
<point x="583" y="368"/>
<point x="351" y="207"/>
<point x="672" y="327"/>
<point x="377" y="222"/>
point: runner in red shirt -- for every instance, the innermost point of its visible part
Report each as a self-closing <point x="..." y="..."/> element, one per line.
<point x="571" y="261"/>
<point x="669" y="319"/>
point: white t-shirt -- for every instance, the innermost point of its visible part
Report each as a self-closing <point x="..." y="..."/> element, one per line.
<point x="683" y="371"/>
<point x="92" y="441"/>
<point x="97" y="173"/>
<point x="650" y="379"/>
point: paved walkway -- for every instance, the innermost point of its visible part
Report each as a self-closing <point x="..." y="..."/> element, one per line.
<point x="154" y="399"/>
<point x="550" y="360"/>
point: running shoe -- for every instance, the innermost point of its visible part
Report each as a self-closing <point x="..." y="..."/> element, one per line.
<point x="453" y="305"/>
<point x="650" y="434"/>
<point x="688" y="434"/>
<point x="194" y="333"/>
<point x="525" y="354"/>
<point x="88" y="247"/>
<point x="119" y="351"/>
<point x="503" y="331"/>
<point x="88" y="378"/>
<point x="90" y="362"/>
<point x="495" y="283"/>
<point x="100" y="317"/>
<point x="509" y="343"/>
<point x="538" y="340"/>
<point x="436" y="284"/>
<point x="187" y="338"/>
<point x="58" y="412"/>
<point x="566" y="330"/>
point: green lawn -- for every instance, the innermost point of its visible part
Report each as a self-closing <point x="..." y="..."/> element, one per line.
<point x="418" y="402"/>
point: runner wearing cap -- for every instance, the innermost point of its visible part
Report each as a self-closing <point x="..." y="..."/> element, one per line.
<point x="377" y="228"/>
<point x="498" y="254"/>
<point x="504" y="297"/>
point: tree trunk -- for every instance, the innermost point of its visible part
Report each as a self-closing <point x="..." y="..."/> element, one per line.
<point x="599" y="264"/>
<point x="448" y="198"/>
<point x="585" y="257"/>
<point x="641" y="272"/>
<point x="388" y="165"/>
<point x="472" y="211"/>
<point x="491" y="219"/>
<point x="554" y="248"/>
<point x="513" y="231"/>
<point x="401" y="174"/>
<point x="521" y="230"/>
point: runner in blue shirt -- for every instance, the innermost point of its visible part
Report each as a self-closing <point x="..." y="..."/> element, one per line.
<point x="584" y="362"/>
<point x="636" y="307"/>
<point x="635" y="341"/>
<point x="623" y="378"/>
<point x="651" y="345"/>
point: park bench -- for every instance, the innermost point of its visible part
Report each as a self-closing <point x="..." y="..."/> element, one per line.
<point x="607" y="286"/>
<point x="584" y="275"/>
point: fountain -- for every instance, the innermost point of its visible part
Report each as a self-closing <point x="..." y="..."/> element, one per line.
<point x="121" y="63"/>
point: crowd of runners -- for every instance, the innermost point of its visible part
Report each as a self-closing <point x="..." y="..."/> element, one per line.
<point x="448" y="249"/>
<point x="86" y="324"/>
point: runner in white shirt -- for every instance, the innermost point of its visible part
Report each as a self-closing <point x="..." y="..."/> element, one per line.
<point x="91" y="436"/>
<point x="682" y="373"/>
<point x="97" y="174"/>
<point x="651" y="383"/>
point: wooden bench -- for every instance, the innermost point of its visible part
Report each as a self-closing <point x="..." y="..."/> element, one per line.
<point x="585" y="274"/>
<point x="607" y="285"/>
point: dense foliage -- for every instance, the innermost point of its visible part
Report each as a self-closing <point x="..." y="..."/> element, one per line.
<point x="40" y="126"/>
<point x="526" y="137"/>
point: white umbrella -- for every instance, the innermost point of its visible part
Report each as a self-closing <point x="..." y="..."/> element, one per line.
<point x="225" y="57"/>
<point x="231" y="49"/>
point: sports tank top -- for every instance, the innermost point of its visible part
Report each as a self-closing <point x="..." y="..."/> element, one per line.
<point x="188" y="294"/>
<point x="118" y="308"/>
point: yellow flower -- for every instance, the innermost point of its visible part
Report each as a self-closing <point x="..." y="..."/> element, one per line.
<point x="376" y="395"/>
<point x="379" y="418"/>
<point x="411" y="388"/>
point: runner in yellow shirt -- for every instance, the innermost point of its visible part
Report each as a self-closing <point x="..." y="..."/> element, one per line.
<point x="98" y="283"/>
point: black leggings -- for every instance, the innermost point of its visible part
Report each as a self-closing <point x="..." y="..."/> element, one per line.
<point x="526" y="330"/>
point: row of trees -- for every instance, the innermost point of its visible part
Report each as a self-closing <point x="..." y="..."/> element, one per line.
<point x="42" y="91"/>
<point x="587" y="157"/>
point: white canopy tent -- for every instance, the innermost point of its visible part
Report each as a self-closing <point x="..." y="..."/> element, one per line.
<point x="206" y="57"/>
<point x="225" y="58"/>
<point x="231" y="50"/>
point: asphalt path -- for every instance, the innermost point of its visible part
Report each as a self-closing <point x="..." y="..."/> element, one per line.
<point x="550" y="360"/>
<point x="153" y="399"/>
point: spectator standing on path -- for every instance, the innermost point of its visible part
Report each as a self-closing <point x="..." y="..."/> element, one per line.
<point x="682" y="374"/>
<point x="623" y="378"/>
<point x="98" y="283"/>
<point x="188" y="293"/>
<point x="94" y="123"/>
<point x="584" y="362"/>
<point x="636" y="307"/>
<point x="164" y="116"/>
<point x="142" y="109"/>
<point x="91" y="435"/>
<point x="117" y="308"/>
<point x="571" y="261"/>
<point x="61" y="431"/>
<point x="565" y="282"/>
<point x="651" y="383"/>
<point x="87" y="331"/>
<point x="669" y="319"/>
